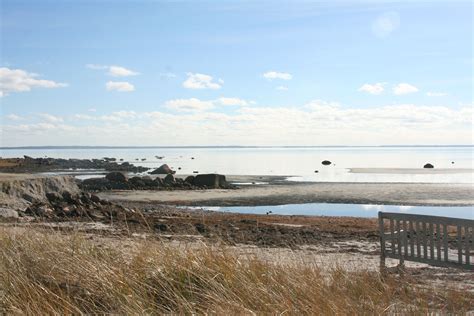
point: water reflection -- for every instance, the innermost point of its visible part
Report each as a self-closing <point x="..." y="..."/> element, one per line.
<point x="355" y="210"/>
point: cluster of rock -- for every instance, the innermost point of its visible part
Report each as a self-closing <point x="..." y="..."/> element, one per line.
<point x="67" y="205"/>
<point x="29" y="164"/>
<point x="119" y="181"/>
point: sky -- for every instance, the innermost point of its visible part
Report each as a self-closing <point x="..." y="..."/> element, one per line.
<point x="177" y="73"/>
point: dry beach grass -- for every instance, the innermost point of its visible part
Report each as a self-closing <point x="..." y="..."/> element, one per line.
<point x="57" y="273"/>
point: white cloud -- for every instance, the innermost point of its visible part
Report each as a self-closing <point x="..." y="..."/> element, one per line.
<point x="201" y="81"/>
<point x="14" y="117"/>
<point x="117" y="71"/>
<point x="436" y="94"/>
<point x="121" y="86"/>
<point x="92" y="110"/>
<point x="96" y="67"/>
<point x="114" y="71"/>
<point x="385" y="24"/>
<point x="376" y="88"/>
<point x="282" y="88"/>
<point x="277" y="75"/>
<point x="404" y="88"/>
<point x="318" y="122"/>
<point x="233" y="101"/>
<point x="17" y="80"/>
<point x="188" y="105"/>
<point x="51" y="118"/>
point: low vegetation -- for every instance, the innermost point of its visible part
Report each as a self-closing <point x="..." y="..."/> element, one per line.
<point x="57" y="273"/>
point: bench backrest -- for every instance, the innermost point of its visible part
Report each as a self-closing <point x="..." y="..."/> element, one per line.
<point x="435" y="240"/>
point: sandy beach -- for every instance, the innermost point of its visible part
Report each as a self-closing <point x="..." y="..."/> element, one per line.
<point x="279" y="192"/>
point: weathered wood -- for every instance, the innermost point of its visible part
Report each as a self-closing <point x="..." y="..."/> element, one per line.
<point x="425" y="247"/>
<point x="438" y="241"/>
<point x="418" y="239"/>
<point x="431" y="232"/>
<point x="392" y="236"/>
<point x="467" y="239"/>
<point x="445" y="242"/>
<point x="382" y="243"/>
<point x="427" y="232"/>
<point x="459" y="244"/>
<point x="404" y="238"/>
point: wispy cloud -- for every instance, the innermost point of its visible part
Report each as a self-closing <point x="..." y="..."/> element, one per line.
<point x="50" y="118"/>
<point x="114" y="71"/>
<point x="189" y="105"/>
<point x="233" y="101"/>
<point x="376" y="88"/>
<point x="201" y="81"/>
<point x="17" y="80"/>
<point x="282" y="88"/>
<point x="385" y="24"/>
<point x="404" y="88"/>
<point x="317" y="122"/>
<point x="121" y="86"/>
<point x="270" y="75"/>
<point x="436" y="94"/>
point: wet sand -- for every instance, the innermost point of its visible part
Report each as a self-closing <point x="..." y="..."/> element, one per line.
<point x="415" y="194"/>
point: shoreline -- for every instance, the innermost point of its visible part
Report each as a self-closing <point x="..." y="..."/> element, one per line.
<point x="281" y="193"/>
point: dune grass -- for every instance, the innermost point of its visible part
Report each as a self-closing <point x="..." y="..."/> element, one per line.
<point x="48" y="272"/>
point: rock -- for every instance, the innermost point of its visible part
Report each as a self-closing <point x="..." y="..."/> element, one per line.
<point x="211" y="180"/>
<point x="316" y="171"/>
<point x="158" y="182"/>
<point x="95" y="198"/>
<point x="137" y="182"/>
<point x="96" y="184"/>
<point x="201" y="228"/>
<point x="195" y="171"/>
<point x="326" y="162"/>
<point x="189" y="179"/>
<point x="163" y="169"/>
<point x="67" y="196"/>
<point x="169" y="179"/>
<point x="53" y="197"/>
<point x="8" y="213"/>
<point x="116" y="177"/>
<point x="428" y="166"/>
<point x="161" y="227"/>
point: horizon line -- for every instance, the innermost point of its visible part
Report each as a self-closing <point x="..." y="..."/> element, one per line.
<point x="222" y="146"/>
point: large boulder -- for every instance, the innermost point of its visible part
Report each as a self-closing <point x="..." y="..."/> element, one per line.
<point x="169" y="179"/>
<point x="163" y="169"/>
<point x="326" y="162"/>
<point x="211" y="180"/>
<point x="189" y="179"/>
<point x="428" y="166"/>
<point x="116" y="177"/>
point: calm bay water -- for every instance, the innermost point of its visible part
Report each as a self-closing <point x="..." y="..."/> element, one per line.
<point x="300" y="162"/>
<point x="357" y="210"/>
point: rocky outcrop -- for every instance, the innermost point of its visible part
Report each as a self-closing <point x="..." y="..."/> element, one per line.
<point x="170" y="182"/>
<point x="30" y="164"/>
<point x="428" y="166"/>
<point x="19" y="192"/>
<point x="163" y="169"/>
<point x="212" y="180"/>
<point x="326" y="162"/>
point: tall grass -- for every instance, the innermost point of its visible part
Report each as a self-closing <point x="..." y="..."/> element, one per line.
<point x="47" y="273"/>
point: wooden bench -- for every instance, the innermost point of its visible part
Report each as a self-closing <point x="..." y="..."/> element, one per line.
<point x="435" y="240"/>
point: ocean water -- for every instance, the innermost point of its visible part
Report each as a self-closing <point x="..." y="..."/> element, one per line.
<point x="453" y="164"/>
<point x="356" y="210"/>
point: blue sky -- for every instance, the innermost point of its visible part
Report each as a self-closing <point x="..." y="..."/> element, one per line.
<point x="236" y="72"/>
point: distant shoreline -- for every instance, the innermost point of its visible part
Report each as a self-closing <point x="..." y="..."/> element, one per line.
<point x="231" y="146"/>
